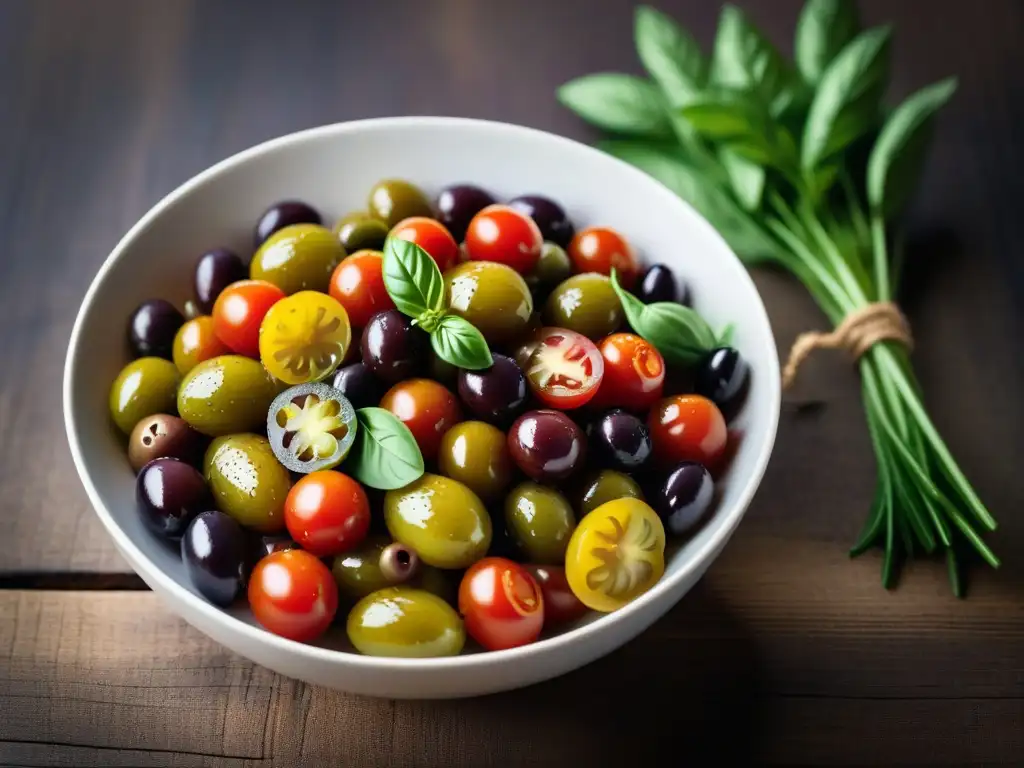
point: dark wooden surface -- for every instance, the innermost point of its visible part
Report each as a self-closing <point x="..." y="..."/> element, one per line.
<point x="794" y="651"/>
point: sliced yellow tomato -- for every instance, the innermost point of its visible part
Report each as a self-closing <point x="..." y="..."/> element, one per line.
<point x="304" y="337"/>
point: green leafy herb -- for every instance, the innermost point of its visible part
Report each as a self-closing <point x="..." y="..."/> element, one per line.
<point x="824" y="29"/>
<point x="618" y="103"/>
<point x="457" y="341"/>
<point x="670" y="55"/>
<point x="385" y="454"/>
<point x="412" y="278"/>
<point x="744" y="60"/>
<point x="747" y="178"/>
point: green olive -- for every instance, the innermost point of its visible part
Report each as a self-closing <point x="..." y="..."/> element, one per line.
<point x="407" y="622"/>
<point x="586" y="304"/>
<point x="493" y="297"/>
<point x="442" y="519"/>
<point x="301" y="257"/>
<point x="359" y="231"/>
<point x="227" y="394"/>
<point x="392" y="200"/>
<point x="247" y="482"/>
<point x="142" y="388"/>
<point x="476" y="454"/>
<point x="552" y="268"/>
<point x="606" y="485"/>
<point x="540" y="521"/>
<point x="358" y="572"/>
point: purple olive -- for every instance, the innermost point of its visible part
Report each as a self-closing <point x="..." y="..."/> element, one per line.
<point x="685" y="497"/>
<point x="281" y="215"/>
<point x="152" y="328"/>
<point x="214" y="550"/>
<point x="359" y="385"/>
<point x="161" y="436"/>
<point x="549" y="217"/>
<point x="723" y="377"/>
<point x="547" y="445"/>
<point x="619" y="440"/>
<point x="170" y="493"/>
<point x="659" y="284"/>
<point x="215" y="271"/>
<point x="393" y="348"/>
<point x="399" y="563"/>
<point x="458" y="204"/>
<point x="496" y="394"/>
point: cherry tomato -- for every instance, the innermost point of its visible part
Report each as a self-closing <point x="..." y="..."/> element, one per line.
<point x="503" y="234"/>
<point x="195" y="342"/>
<point x="560" y="604"/>
<point x="304" y="337"/>
<point x="293" y="594"/>
<point x="432" y="237"/>
<point x="564" y="368"/>
<point x="687" y="428"/>
<point x="427" y="408"/>
<point x="634" y="373"/>
<point x="501" y="603"/>
<point x="238" y="312"/>
<point x="327" y="513"/>
<point x="598" y="249"/>
<point x="616" y="553"/>
<point x="358" y="285"/>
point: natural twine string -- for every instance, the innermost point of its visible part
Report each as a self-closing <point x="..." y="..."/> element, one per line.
<point x="857" y="333"/>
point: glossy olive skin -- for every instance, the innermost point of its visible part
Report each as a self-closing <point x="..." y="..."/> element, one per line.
<point x="442" y="519"/>
<point x="723" y="377"/>
<point x="601" y="486"/>
<point x="215" y="271"/>
<point x="685" y="497"/>
<point x="300" y="257"/>
<point x="549" y="217"/>
<point x="497" y="394"/>
<point x="620" y="440"/>
<point x="552" y="268"/>
<point x="247" y="481"/>
<point x="493" y="297"/>
<point x="547" y="445"/>
<point x="586" y="304"/>
<point x="540" y="521"/>
<point x="169" y="494"/>
<point x="359" y="231"/>
<point x="476" y="454"/>
<point x="143" y="387"/>
<point x="393" y="348"/>
<point x="392" y="200"/>
<point x="163" y="436"/>
<point x="281" y="215"/>
<point x="458" y="204"/>
<point x="227" y="394"/>
<point x="359" y="385"/>
<point x="152" y="327"/>
<point x="214" y="550"/>
<point x="405" y="622"/>
<point x="358" y="572"/>
<point x="399" y="563"/>
<point x="659" y="284"/>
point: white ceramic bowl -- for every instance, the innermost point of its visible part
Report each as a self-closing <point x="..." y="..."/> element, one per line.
<point x="333" y="167"/>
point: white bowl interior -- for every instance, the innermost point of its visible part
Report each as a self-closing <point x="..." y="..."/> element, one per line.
<point x="333" y="168"/>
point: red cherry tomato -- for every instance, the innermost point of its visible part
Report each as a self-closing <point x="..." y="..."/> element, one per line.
<point x="358" y="285"/>
<point x="238" y="312"/>
<point x="503" y="234"/>
<point x="293" y="594"/>
<point x="502" y="604"/>
<point x="427" y="408"/>
<point x="432" y="237"/>
<point x="564" y="368"/>
<point x="560" y="604"/>
<point x="687" y="428"/>
<point x="327" y="513"/>
<point x="634" y="373"/>
<point x="598" y="249"/>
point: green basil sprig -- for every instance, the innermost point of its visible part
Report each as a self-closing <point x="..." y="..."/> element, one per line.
<point x="385" y="454"/>
<point x="414" y="282"/>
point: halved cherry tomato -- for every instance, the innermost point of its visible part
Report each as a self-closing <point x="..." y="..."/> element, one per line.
<point x="598" y="249"/>
<point x="432" y="237"/>
<point x="564" y="368"/>
<point x="634" y="373"/>
<point x="501" y="603"/>
<point x="687" y="428"/>
<point x="238" y="312"/>
<point x="327" y="513"/>
<point x="358" y="285"/>
<point x="427" y="408"/>
<point x="293" y="594"/>
<point x="304" y="337"/>
<point x="503" y="234"/>
<point x="560" y="604"/>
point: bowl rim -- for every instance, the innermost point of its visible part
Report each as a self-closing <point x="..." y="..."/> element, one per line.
<point x="548" y="645"/>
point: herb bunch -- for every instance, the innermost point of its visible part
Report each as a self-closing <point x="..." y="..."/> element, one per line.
<point x="801" y="164"/>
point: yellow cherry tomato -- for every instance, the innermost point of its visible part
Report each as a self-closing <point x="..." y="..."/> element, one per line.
<point x="616" y="553"/>
<point x="304" y="337"/>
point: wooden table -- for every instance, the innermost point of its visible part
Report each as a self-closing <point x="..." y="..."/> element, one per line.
<point x="787" y="652"/>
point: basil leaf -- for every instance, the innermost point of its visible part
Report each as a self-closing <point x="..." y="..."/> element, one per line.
<point x="619" y="103"/>
<point x="899" y="152"/>
<point x="743" y="59"/>
<point x="744" y="128"/>
<point x="747" y="178"/>
<point x="670" y="54"/>
<point x="823" y="30"/>
<point x="680" y="334"/>
<point x="725" y="337"/>
<point x="845" y="105"/>
<point x="457" y="341"/>
<point x="412" y="278"/>
<point x="385" y="454"/>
